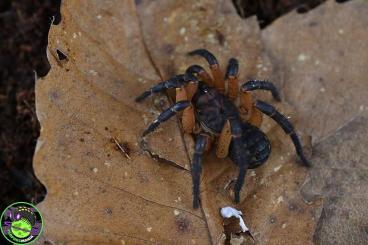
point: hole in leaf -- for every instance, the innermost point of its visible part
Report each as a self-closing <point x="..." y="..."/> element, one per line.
<point x="61" y="55"/>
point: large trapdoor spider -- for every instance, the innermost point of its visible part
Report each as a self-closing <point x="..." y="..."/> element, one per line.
<point x="210" y="113"/>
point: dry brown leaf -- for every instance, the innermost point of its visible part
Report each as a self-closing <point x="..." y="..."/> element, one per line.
<point x="97" y="195"/>
<point x="323" y="69"/>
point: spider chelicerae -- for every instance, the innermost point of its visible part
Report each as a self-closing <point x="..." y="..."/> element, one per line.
<point x="210" y="113"/>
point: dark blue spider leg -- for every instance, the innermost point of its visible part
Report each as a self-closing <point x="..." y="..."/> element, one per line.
<point x="232" y="68"/>
<point x="199" y="148"/>
<point x="218" y="79"/>
<point x="174" y="82"/>
<point x="201" y="73"/>
<point x="232" y="78"/>
<point x="259" y="84"/>
<point x="239" y="156"/>
<point x="166" y="115"/>
<point x="211" y="59"/>
<point x="284" y="123"/>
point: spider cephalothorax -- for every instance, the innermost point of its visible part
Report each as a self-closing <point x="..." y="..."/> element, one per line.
<point x="210" y="113"/>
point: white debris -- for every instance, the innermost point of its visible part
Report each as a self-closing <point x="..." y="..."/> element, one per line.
<point x="93" y="72"/>
<point x="95" y="170"/>
<point x="182" y="31"/>
<point x="277" y="168"/>
<point x="149" y="229"/>
<point x="302" y="57"/>
<point x="99" y="16"/>
<point x="228" y="212"/>
<point x="176" y="212"/>
<point x="280" y="199"/>
<point x="341" y="31"/>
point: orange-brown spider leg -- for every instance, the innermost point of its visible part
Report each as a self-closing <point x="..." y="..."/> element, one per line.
<point x="246" y="103"/>
<point x="224" y="141"/>
<point x="259" y="84"/>
<point x="232" y="78"/>
<point x="201" y="73"/>
<point x="186" y="93"/>
<point x="218" y="79"/>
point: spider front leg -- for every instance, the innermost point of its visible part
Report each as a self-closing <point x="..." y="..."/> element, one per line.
<point x="166" y="115"/>
<point x="186" y="93"/>
<point x="201" y="73"/>
<point x="284" y="123"/>
<point x="260" y="84"/>
<point x="200" y="146"/>
<point x="232" y="78"/>
<point x="174" y="82"/>
<point x="219" y="82"/>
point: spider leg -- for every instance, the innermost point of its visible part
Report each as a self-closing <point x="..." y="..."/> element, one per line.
<point x="219" y="82"/>
<point x="239" y="156"/>
<point x="224" y="141"/>
<point x="186" y="93"/>
<point x="174" y="82"/>
<point x="165" y="115"/>
<point x="284" y="123"/>
<point x="246" y="103"/>
<point x="200" y="146"/>
<point x="259" y="84"/>
<point x="202" y="74"/>
<point x="232" y="77"/>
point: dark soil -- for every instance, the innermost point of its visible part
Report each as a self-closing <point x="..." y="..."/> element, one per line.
<point x="24" y="26"/>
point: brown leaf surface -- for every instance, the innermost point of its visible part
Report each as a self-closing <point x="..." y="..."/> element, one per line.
<point x="323" y="69"/>
<point x="97" y="195"/>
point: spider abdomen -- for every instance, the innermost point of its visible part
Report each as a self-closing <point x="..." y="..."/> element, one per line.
<point x="255" y="143"/>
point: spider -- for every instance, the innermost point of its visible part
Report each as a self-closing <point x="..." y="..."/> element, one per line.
<point x="210" y="113"/>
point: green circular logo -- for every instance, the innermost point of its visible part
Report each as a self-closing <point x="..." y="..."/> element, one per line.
<point x="21" y="223"/>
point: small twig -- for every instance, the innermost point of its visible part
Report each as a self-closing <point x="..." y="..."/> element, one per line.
<point x="122" y="148"/>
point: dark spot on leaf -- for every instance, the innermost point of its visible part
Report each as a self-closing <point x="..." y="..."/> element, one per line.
<point x="220" y="37"/>
<point x="169" y="48"/>
<point x="273" y="219"/>
<point x="203" y="9"/>
<point x="108" y="211"/>
<point x="182" y="224"/>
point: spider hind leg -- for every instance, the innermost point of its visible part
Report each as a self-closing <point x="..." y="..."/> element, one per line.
<point x="200" y="146"/>
<point x="284" y="123"/>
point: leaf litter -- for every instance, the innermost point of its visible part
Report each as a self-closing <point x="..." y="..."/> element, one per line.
<point x="118" y="48"/>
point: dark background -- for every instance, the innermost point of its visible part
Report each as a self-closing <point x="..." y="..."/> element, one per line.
<point x="24" y="26"/>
